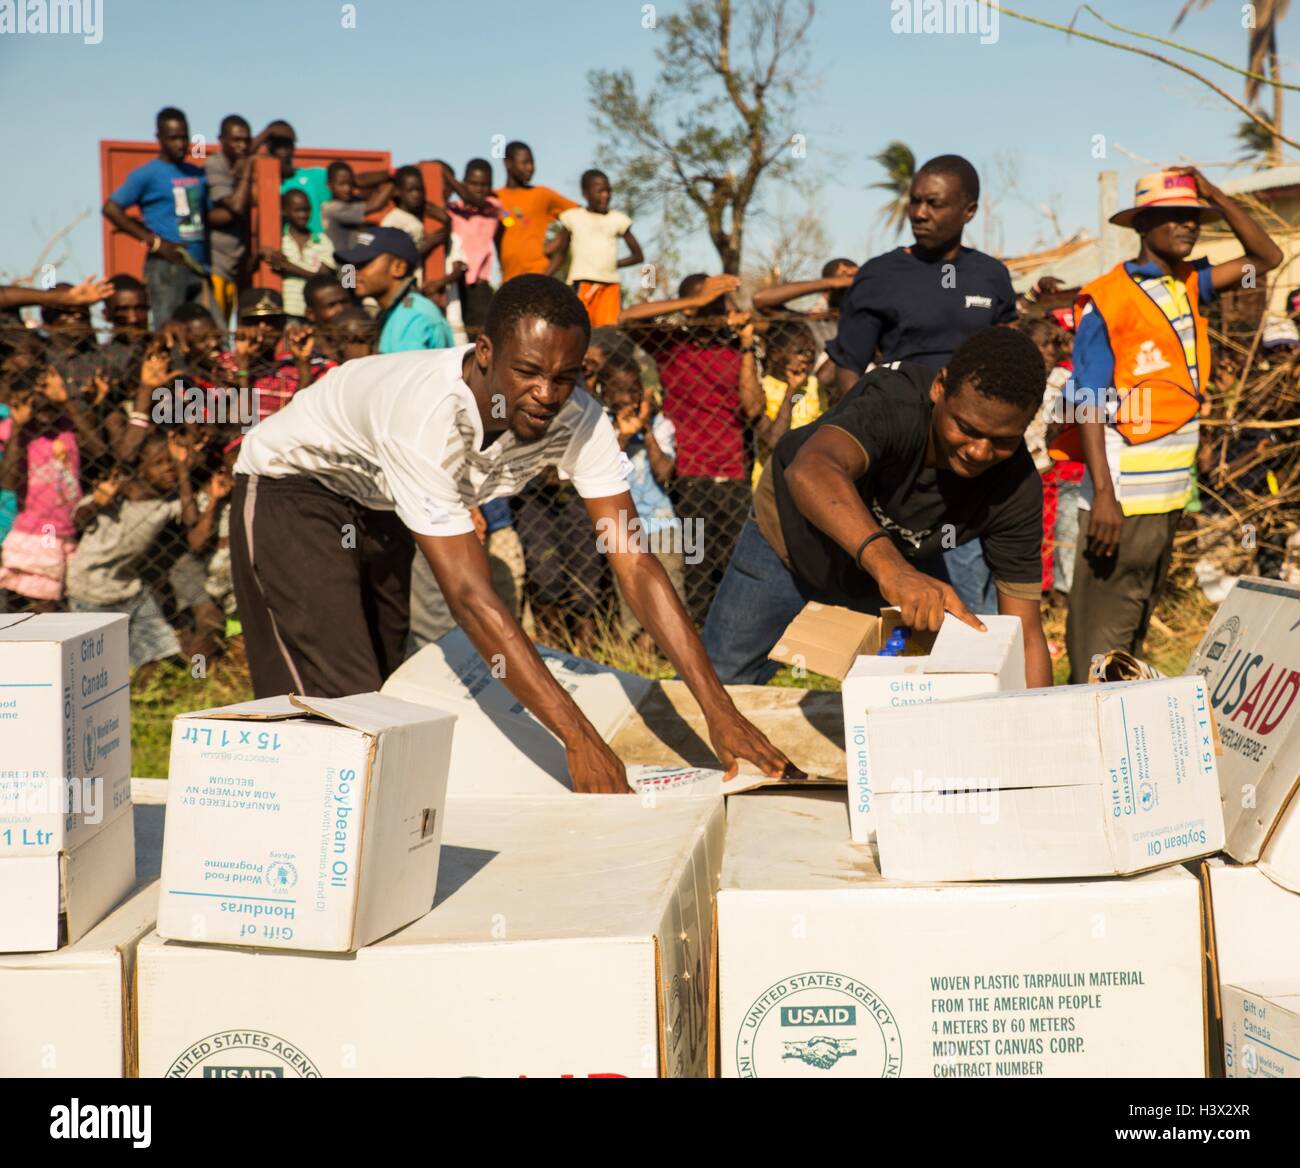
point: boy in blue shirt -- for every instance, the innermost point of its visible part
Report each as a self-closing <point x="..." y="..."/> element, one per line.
<point x="172" y="195"/>
<point x="385" y="264"/>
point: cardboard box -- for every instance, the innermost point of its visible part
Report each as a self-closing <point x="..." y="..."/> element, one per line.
<point x="1250" y="660"/>
<point x="571" y="937"/>
<point x="501" y="749"/>
<point x="70" y="1014"/>
<point x="827" y="639"/>
<point x="1094" y="780"/>
<point x="1252" y="937"/>
<point x="668" y="728"/>
<point x="65" y="729"/>
<point x="1261" y="1026"/>
<point x="1280" y="859"/>
<point x="956" y="662"/>
<point x="829" y="971"/>
<point x="48" y="901"/>
<point x="303" y="823"/>
<point x="1253" y="925"/>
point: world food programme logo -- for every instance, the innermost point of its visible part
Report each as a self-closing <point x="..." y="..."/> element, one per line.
<point x="88" y="746"/>
<point x="1219" y="644"/>
<point x="816" y="1025"/>
<point x="243" y="1054"/>
<point x="281" y="874"/>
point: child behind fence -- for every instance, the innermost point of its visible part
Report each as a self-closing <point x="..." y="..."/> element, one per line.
<point x="792" y="396"/>
<point x="648" y="439"/>
<point x="42" y="465"/>
<point x="121" y="521"/>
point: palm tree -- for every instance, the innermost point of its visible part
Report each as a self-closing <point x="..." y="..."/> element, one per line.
<point x="1256" y="144"/>
<point x="899" y="164"/>
<point x="1268" y="15"/>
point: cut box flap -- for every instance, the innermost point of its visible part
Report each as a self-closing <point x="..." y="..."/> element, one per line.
<point x="55" y="626"/>
<point x="961" y="649"/>
<point x="827" y="639"/>
<point x="275" y="709"/>
<point x="367" y="713"/>
<point x="371" y="713"/>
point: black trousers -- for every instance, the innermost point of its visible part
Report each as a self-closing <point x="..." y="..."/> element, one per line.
<point x="323" y="587"/>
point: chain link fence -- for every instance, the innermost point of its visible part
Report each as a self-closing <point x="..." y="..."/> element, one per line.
<point x="117" y="449"/>
<point x="97" y="432"/>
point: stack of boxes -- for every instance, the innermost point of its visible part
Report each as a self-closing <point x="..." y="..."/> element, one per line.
<point x="327" y="910"/>
<point x="67" y="845"/>
<point x="921" y="958"/>
<point x="346" y="890"/>
<point x="1249" y="661"/>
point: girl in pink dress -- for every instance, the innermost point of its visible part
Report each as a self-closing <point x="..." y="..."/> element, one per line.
<point x="42" y="464"/>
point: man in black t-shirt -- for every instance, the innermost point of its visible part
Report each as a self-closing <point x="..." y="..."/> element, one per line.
<point x="856" y="508"/>
<point x="919" y="303"/>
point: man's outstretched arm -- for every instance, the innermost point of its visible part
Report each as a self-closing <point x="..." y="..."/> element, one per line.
<point x="650" y="595"/>
<point x="1038" y="661"/>
<point x="460" y="566"/>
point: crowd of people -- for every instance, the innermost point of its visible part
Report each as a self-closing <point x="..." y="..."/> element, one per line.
<point x="907" y="430"/>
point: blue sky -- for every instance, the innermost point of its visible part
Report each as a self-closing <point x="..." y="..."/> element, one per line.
<point x="433" y="78"/>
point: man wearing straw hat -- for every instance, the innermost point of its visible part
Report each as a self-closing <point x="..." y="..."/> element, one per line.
<point x="1141" y="358"/>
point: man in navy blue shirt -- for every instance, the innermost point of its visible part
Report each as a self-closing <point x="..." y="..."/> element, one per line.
<point x="172" y="195"/>
<point x="920" y="303"/>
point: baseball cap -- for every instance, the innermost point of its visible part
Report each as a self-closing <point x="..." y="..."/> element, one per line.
<point x="377" y="241"/>
<point x="260" y="302"/>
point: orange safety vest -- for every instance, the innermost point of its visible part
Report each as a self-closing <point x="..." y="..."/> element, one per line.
<point x="1153" y="383"/>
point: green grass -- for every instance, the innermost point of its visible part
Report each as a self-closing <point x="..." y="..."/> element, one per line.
<point x="171" y="690"/>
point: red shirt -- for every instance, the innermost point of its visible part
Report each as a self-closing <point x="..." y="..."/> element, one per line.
<point x="276" y="386"/>
<point x="702" y="399"/>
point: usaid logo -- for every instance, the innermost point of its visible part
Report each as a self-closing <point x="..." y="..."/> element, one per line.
<point x="215" y="1072"/>
<point x="819" y="1024"/>
<point x="819" y="1015"/>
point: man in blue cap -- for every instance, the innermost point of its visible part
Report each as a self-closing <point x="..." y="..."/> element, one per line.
<point x="384" y="264"/>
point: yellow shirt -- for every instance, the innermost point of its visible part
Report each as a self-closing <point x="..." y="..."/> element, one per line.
<point x="807" y="408"/>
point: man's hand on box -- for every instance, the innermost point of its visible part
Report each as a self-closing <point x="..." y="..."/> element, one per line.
<point x="922" y="600"/>
<point x="595" y="769"/>
<point x="734" y="738"/>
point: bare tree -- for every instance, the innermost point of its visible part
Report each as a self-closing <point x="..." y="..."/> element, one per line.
<point x="720" y="118"/>
<point x="796" y="251"/>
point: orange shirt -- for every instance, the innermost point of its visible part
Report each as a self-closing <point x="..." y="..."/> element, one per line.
<point x="528" y="212"/>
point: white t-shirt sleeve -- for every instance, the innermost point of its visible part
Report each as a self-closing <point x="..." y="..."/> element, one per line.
<point x="623" y="224"/>
<point x="568" y="218"/>
<point x="593" y="459"/>
<point x="665" y="434"/>
<point x="425" y="495"/>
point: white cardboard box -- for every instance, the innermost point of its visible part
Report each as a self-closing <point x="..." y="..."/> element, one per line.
<point x="65" y="729"/>
<point x="52" y="900"/>
<point x="1261" y="1030"/>
<point x="1280" y="859"/>
<point x="1253" y="946"/>
<point x="960" y="662"/>
<point x="303" y="823"/>
<point x="1254" y="926"/>
<point x="571" y="937"/>
<point x="829" y="971"/>
<point x="70" y="1014"/>
<point x="1250" y="660"/>
<point x="1094" y="780"/>
<point x="501" y="749"/>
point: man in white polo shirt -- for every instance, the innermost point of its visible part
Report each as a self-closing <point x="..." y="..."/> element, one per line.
<point x="330" y="490"/>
